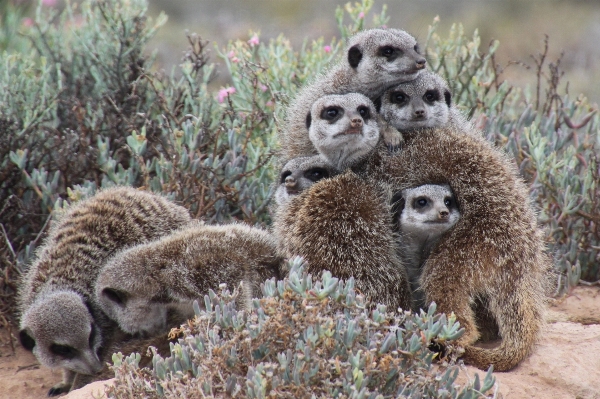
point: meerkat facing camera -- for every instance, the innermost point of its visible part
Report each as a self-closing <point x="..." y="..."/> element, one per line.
<point x="426" y="212"/>
<point x="138" y="285"/>
<point x="343" y="128"/>
<point x="375" y="59"/>
<point x="425" y="102"/>
<point x="60" y="321"/>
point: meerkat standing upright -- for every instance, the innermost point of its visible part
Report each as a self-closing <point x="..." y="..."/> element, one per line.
<point x="137" y="286"/>
<point x="426" y="212"/>
<point x="60" y="321"/>
<point x="425" y="102"/>
<point x="375" y="60"/>
<point x="494" y="254"/>
<point x="343" y="224"/>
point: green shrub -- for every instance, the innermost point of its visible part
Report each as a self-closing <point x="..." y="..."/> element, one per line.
<point x="304" y="338"/>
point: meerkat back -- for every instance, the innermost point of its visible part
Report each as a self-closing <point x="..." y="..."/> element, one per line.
<point x="427" y="212"/>
<point x="425" y="102"/>
<point x="60" y="321"/>
<point x="374" y="60"/>
<point x="138" y="285"/>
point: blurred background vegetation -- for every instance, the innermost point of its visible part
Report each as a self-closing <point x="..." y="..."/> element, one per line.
<point x="86" y="102"/>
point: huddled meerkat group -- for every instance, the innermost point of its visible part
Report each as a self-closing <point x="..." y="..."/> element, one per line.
<point x="382" y="179"/>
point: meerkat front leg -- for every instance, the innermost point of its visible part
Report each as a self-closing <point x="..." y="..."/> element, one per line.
<point x="392" y="137"/>
<point x="64" y="385"/>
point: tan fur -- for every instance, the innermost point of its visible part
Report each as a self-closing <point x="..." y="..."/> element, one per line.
<point x="371" y="77"/>
<point x="494" y="254"/>
<point x="56" y="294"/>
<point x="343" y="225"/>
<point x="137" y="286"/>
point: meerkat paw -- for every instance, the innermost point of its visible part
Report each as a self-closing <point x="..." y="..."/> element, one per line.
<point x="392" y="138"/>
<point x="59" y="388"/>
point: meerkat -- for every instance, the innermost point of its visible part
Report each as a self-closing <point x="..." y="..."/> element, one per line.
<point x="138" y="285"/>
<point x="375" y="60"/>
<point x="343" y="128"/>
<point x="343" y="225"/>
<point x="426" y="212"/>
<point x="299" y="174"/>
<point x="494" y="256"/>
<point x="60" y="320"/>
<point x="425" y="102"/>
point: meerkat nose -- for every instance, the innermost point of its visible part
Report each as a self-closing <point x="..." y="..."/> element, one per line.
<point x="420" y="112"/>
<point x="290" y="181"/>
<point x="420" y="62"/>
<point x="444" y="214"/>
<point x="356" y="122"/>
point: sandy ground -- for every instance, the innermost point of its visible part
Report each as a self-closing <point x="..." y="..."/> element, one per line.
<point x="564" y="365"/>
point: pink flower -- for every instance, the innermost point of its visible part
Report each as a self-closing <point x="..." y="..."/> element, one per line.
<point x="361" y="15"/>
<point x="269" y="103"/>
<point x="263" y="88"/>
<point x="327" y="49"/>
<point x="49" y="3"/>
<point x="224" y="93"/>
<point x="253" y="41"/>
<point x="232" y="57"/>
<point x="27" y="22"/>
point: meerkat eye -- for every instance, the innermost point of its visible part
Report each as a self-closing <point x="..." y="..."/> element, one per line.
<point x="64" y="351"/>
<point x="92" y="336"/>
<point x="420" y="202"/>
<point x="316" y="174"/>
<point x="448" y="202"/>
<point x="365" y="112"/>
<point x="398" y="97"/>
<point x="284" y="175"/>
<point x="416" y="48"/>
<point x="431" y="96"/>
<point x="331" y="113"/>
<point x="386" y="51"/>
<point x="116" y="296"/>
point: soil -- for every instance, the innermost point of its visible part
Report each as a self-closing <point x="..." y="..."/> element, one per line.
<point x="564" y="364"/>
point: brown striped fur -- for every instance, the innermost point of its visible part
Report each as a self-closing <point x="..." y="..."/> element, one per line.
<point x="137" y="286"/>
<point x="60" y="321"/>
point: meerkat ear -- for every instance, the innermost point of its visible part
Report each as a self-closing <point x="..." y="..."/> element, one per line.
<point x="398" y="203"/>
<point x="354" y="56"/>
<point x="448" y="98"/>
<point x="377" y="103"/>
<point x="308" y="120"/>
<point x="26" y="340"/>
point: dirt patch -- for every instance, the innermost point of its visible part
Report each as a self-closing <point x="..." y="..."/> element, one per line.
<point x="564" y="364"/>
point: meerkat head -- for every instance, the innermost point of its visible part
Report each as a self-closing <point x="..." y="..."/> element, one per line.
<point x="382" y="58"/>
<point x="129" y="294"/>
<point x="60" y="331"/>
<point x="299" y="174"/>
<point x="423" y="102"/>
<point x="430" y="209"/>
<point x="343" y="128"/>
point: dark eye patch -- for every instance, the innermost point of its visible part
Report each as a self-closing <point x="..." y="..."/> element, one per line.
<point x="64" y="351"/>
<point x="93" y="334"/>
<point x="448" y="202"/>
<point x="116" y="296"/>
<point x="332" y="113"/>
<point x="399" y="97"/>
<point x="316" y="174"/>
<point x="389" y="52"/>
<point x="420" y="202"/>
<point x="431" y="96"/>
<point x="365" y="112"/>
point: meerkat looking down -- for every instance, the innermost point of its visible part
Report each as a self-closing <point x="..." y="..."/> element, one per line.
<point x="138" y="285"/>
<point x="343" y="128"/>
<point x="60" y="321"/>
<point x="428" y="212"/>
<point x="425" y="102"/>
<point x="299" y="174"/>
<point x="375" y="60"/>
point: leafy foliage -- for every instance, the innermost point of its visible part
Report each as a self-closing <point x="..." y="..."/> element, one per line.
<point x="304" y="338"/>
